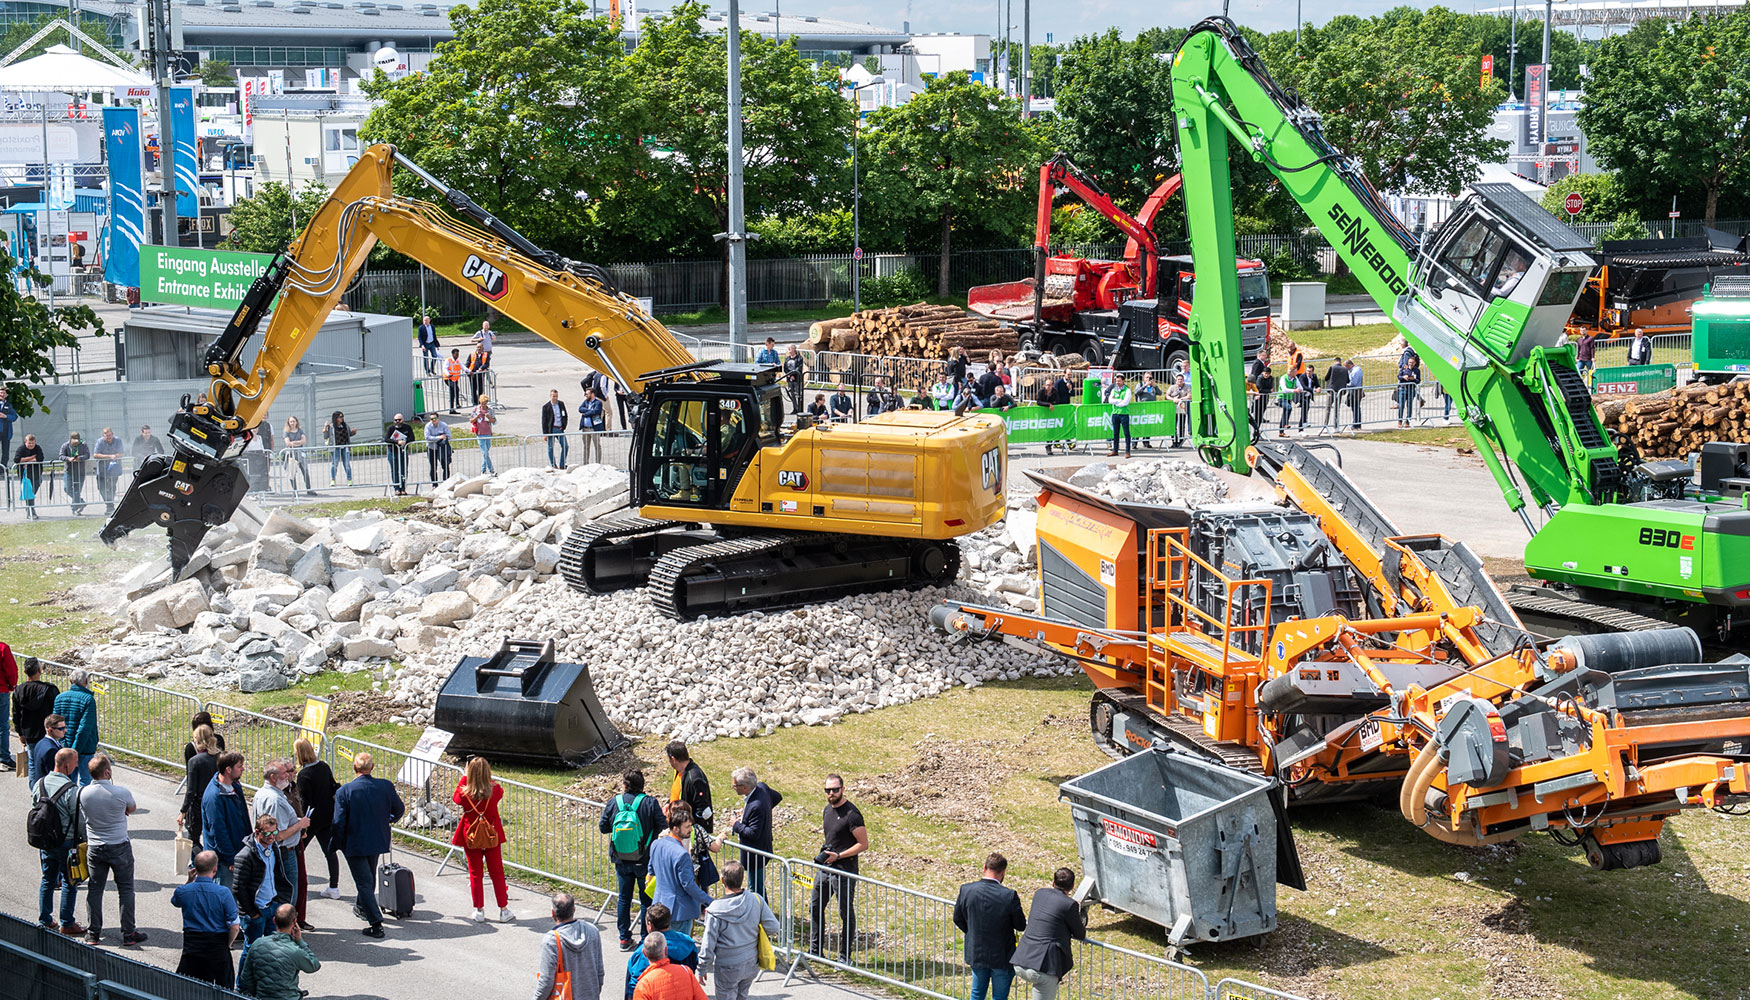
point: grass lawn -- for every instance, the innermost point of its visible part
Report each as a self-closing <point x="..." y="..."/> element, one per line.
<point x="1455" y="437"/>
<point x="40" y="562"/>
<point x="1344" y="341"/>
<point x="1389" y="913"/>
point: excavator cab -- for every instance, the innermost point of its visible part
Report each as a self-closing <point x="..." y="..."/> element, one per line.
<point x="703" y="432"/>
<point x="1501" y="276"/>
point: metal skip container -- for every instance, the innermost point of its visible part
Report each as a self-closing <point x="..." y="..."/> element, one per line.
<point x="1186" y="843"/>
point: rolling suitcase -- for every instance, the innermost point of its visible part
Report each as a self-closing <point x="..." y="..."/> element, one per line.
<point x="395" y="890"/>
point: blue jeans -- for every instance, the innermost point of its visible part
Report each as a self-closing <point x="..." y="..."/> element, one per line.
<point x="253" y="928"/>
<point x="997" y="980"/>
<point x="338" y="457"/>
<point x="486" y="453"/>
<point x="431" y="358"/>
<point x="632" y="875"/>
<point x="83" y="772"/>
<point x="1406" y="401"/>
<point x="6" y="737"/>
<point x="564" y="449"/>
<point x="55" y="875"/>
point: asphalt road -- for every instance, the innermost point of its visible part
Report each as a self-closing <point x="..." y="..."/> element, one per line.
<point x="437" y="952"/>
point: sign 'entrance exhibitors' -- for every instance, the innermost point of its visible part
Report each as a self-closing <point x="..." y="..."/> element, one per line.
<point x="186" y="276"/>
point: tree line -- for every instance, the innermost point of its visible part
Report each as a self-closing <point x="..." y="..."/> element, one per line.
<point x="537" y="110"/>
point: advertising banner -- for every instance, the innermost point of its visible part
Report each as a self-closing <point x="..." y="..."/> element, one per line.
<point x="185" y="157"/>
<point x="187" y="276"/>
<point x="1534" y="101"/>
<point x="127" y="195"/>
<point x="1083" y="422"/>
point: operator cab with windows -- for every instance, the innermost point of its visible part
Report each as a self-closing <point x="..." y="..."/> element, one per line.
<point x="1503" y="267"/>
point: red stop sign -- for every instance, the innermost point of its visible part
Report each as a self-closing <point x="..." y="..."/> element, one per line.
<point x="1573" y="203"/>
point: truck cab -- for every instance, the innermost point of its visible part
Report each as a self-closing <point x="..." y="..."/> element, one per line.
<point x="1149" y="334"/>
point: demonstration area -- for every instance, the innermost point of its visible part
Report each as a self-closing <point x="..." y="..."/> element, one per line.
<point x="587" y="501"/>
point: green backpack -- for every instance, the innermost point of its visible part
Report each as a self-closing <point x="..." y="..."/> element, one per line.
<point x="628" y="835"/>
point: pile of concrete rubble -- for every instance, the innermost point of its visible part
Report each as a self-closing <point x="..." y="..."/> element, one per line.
<point x="271" y="598"/>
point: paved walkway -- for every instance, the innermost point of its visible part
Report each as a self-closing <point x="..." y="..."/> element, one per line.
<point x="437" y="952"/>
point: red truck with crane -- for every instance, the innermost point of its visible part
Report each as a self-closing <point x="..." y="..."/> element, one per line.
<point x="1130" y="312"/>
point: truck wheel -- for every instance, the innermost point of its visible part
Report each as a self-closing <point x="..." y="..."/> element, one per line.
<point x="1093" y="352"/>
<point x="1179" y="360"/>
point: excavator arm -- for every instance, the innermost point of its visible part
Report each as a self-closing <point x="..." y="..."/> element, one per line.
<point x="1479" y="300"/>
<point x="574" y="306"/>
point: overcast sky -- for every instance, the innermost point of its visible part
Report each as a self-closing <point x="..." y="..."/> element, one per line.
<point x="1065" y="19"/>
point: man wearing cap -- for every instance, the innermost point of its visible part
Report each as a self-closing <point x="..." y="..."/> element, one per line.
<point x="75" y="454"/>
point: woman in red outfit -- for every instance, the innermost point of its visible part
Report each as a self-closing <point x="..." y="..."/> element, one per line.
<point x="481" y="835"/>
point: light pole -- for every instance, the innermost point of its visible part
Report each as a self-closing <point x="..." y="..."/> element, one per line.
<point x="857" y="200"/>
<point x="737" y="234"/>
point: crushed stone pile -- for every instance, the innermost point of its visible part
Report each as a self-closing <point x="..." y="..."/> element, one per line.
<point x="270" y="598"/>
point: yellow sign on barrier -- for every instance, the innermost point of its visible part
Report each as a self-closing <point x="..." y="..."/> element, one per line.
<point x="315" y="721"/>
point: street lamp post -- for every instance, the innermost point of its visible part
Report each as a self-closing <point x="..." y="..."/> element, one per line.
<point x="857" y="200"/>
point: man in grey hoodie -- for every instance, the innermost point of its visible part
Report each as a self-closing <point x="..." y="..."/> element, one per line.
<point x="583" y="953"/>
<point x="732" y="931"/>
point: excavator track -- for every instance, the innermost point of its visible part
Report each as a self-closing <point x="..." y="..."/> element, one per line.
<point x="1144" y="725"/>
<point x="784" y="569"/>
<point x="614" y="553"/>
<point x="1558" y="615"/>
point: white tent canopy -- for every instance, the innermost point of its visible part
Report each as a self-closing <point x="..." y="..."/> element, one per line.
<point x="61" y="69"/>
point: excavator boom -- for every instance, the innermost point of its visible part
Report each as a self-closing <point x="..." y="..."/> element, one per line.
<point x="797" y="516"/>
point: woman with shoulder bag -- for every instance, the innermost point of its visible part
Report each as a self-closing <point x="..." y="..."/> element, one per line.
<point x="480" y="834"/>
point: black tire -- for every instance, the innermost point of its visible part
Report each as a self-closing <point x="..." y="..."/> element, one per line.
<point x="1179" y="360"/>
<point x="1094" y="352"/>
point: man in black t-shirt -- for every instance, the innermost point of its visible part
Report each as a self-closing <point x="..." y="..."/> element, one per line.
<point x="844" y="836"/>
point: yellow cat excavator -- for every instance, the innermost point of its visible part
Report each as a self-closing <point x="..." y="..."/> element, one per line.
<point x="734" y="512"/>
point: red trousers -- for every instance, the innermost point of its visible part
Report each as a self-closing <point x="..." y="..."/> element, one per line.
<point x="303" y="880"/>
<point x="478" y="862"/>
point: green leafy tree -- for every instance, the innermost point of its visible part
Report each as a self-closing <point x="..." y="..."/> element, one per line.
<point x="268" y="222"/>
<point x="29" y="333"/>
<point x="796" y="235"/>
<point x="796" y="126"/>
<point x="1604" y="200"/>
<point x="1402" y="92"/>
<point x="956" y="153"/>
<point x="1115" y="98"/>
<point x="532" y="110"/>
<point x="1668" y="107"/>
<point x="217" y="73"/>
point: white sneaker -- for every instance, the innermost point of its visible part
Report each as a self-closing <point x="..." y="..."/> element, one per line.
<point x="479" y="915"/>
<point x="332" y="892"/>
<point x="505" y="916"/>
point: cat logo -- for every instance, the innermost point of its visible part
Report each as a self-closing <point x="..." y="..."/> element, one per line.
<point x="991" y="466"/>
<point x="794" y="480"/>
<point x="184" y="487"/>
<point x="490" y="279"/>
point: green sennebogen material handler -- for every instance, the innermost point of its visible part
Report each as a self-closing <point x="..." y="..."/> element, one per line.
<point x="1483" y="299"/>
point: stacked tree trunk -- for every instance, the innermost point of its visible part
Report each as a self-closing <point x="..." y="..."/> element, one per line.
<point x="915" y="331"/>
<point x="1673" y="423"/>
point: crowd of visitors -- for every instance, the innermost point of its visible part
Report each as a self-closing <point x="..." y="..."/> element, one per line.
<point x="684" y="922"/>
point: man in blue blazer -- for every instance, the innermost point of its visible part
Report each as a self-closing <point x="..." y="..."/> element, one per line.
<point x="364" y="810"/>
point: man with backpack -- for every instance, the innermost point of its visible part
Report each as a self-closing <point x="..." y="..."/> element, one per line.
<point x="631" y="820"/>
<point x="53" y="828"/>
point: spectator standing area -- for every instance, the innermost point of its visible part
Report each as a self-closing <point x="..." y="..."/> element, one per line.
<point x="426" y="955"/>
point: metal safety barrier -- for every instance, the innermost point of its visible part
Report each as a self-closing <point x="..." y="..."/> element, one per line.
<point x="1239" y="989"/>
<point x="866" y="927"/>
<point x="547" y="833"/>
<point x="43" y="964"/>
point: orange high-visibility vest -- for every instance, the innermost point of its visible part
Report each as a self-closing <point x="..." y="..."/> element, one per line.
<point x="453" y="370"/>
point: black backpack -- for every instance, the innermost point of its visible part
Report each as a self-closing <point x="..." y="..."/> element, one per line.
<point x="43" y="828"/>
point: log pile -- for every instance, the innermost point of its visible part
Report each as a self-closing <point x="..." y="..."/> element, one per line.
<point x="1673" y="423"/>
<point x="914" y="331"/>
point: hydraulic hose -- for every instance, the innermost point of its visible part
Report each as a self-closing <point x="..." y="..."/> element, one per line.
<point x="1413" y="803"/>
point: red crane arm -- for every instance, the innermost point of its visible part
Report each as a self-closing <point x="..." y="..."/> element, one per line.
<point x="1061" y="171"/>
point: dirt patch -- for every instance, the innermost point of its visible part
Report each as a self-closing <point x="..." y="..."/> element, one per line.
<point x="346" y="709"/>
<point x="954" y="780"/>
